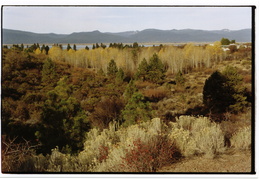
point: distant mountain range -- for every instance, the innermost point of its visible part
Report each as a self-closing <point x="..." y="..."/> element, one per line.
<point x="145" y="36"/>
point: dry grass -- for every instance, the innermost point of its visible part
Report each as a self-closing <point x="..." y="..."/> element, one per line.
<point x="144" y="84"/>
<point x="236" y="162"/>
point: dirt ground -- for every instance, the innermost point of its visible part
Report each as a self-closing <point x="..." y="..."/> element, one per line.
<point x="229" y="162"/>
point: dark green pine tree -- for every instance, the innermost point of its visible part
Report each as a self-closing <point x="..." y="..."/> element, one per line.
<point x="47" y="49"/>
<point x="63" y="122"/>
<point x="224" y="92"/>
<point x="142" y="71"/>
<point x="216" y="95"/>
<point x="43" y="47"/>
<point x="156" y="70"/>
<point x="22" y="47"/>
<point x="130" y="90"/>
<point x="120" y="75"/>
<point x="74" y="47"/>
<point x="49" y="74"/>
<point x="112" y="68"/>
<point x="68" y="47"/>
<point x="235" y="88"/>
<point x="225" y="41"/>
<point x="180" y="80"/>
<point x="136" y="110"/>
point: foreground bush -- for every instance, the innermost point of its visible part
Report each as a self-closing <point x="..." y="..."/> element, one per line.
<point x="241" y="140"/>
<point x="149" y="157"/>
<point x="197" y="136"/>
<point x="143" y="147"/>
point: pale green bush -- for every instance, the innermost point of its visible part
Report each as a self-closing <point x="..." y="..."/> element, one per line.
<point x="197" y="135"/>
<point x="145" y="132"/>
<point x="241" y="140"/>
<point x="97" y="140"/>
<point x="184" y="142"/>
<point x="209" y="140"/>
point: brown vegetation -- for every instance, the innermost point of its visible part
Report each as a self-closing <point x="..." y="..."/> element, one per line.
<point x="71" y="97"/>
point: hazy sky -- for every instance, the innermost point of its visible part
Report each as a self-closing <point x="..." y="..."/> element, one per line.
<point x="65" y="20"/>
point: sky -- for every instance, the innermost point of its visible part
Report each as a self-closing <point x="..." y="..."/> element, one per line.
<point x="69" y="19"/>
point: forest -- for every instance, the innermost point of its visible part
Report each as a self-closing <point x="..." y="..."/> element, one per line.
<point x="123" y="108"/>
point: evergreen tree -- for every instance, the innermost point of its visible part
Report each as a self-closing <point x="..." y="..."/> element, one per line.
<point x="236" y="89"/>
<point x="103" y="46"/>
<point x="112" y="68"/>
<point x="42" y="48"/>
<point x="47" y="49"/>
<point x="135" y="45"/>
<point x="120" y="75"/>
<point x="22" y="47"/>
<point x="68" y="47"/>
<point x="63" y="123"/>
<point x="74" y="47"/>
<point x="224" y="92"/>
<point x="215" y="97"/>
<point x="130" y="90"/>
<point x="49" y="74"/>
<point x="136" y="110"/>
<point x="180" y="80"/>
<point x="156" y="69"/>
<point x="225" y="41"/>
<point x="110" y="45"/>
<point x="143" y="70"/>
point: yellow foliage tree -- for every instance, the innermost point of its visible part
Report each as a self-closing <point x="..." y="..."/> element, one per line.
<point x="37" y="51"/>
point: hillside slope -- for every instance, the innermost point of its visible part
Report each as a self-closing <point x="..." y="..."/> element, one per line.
<point x="145" y="36"/>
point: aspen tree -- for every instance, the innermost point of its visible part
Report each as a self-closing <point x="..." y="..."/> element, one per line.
<point x="37" y="51"/>
<point x="55" y="53"/>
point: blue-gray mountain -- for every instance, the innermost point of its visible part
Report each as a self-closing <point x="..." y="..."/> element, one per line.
<point x="147" y="35"/>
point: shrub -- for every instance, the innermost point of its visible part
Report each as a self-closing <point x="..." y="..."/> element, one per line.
<point x="60" y="162"/>
<point x="241" y="140"/>
<point x="146" y="134"/>
<point x="180" y="80"/>
<point x="97" y="145"/>
<point x="197" y="135"/>
<point x="157" y="94"/>
<point x="144" y="84"/>
<point x="106" y="111"/>
<point x="247" y="79"/>
<point x="149" y="157"/>
<point x="17" y="156"/>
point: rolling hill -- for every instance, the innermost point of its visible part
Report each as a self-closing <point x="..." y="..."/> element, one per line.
<point x="145" y="36"/>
